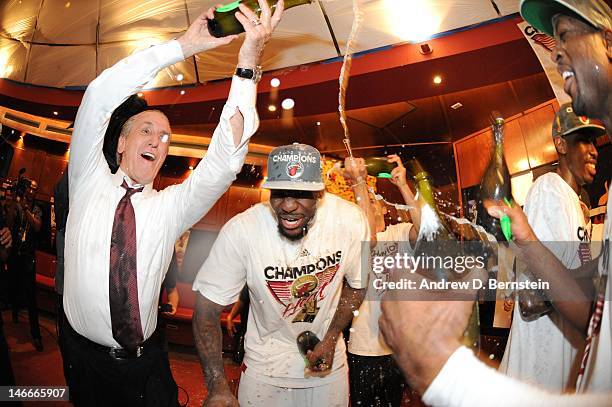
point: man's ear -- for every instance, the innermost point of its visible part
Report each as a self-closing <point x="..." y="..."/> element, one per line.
<point x="121" y="144"/>
<point x="560" y="145"/>
<point x="607" y="37"/>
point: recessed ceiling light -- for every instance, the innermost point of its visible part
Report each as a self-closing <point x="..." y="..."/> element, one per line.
<point x="182" y="92"/>
<point x="318" y="123"/>
<point x="275" y="82"/>
<point x="456" y="106"/>
<point x="288" y="104"/>
<point x="272" y="108"/>
<point x="179" y="77"/>
<point x="437" y="79"/>
<point x="191" y="167"/>
<point x="55" y="113"/>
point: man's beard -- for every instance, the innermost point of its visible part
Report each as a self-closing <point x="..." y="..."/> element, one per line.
<point x="294" y="238"/>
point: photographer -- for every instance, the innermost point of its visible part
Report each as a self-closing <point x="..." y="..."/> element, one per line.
<point x="23" y="218"/>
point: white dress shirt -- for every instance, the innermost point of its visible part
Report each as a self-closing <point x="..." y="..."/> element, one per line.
<point x="161" y="216"/>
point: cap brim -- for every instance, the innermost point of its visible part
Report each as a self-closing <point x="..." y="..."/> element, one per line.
<point x="294" y="185"/>
<point x="539" y="13"/>
<point x="594" y="129"/>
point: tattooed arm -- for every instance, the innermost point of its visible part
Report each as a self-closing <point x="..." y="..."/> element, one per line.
<point x="207" y="336"/>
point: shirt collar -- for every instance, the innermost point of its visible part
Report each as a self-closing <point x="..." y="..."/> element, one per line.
<point x="119" y="176"/>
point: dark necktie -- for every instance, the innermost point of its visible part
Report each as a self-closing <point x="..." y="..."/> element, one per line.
<point x="123" y="284"/>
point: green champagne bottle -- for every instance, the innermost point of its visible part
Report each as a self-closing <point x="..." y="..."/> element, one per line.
<point x="495" y="183"/>
<point x="437" y="239"/>
<point x="379" y="167"/>
<point x="225" y="22"/>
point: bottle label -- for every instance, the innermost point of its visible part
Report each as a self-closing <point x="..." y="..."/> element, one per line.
<point x="229" y="7"/>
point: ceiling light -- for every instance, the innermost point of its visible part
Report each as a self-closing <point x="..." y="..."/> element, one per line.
<point x="437" y="79"/>
<point x="182" y="92"/>
<point x="288" y="104"/>
<point x="425" y="49"/>
<point x="179" y="77"/>
<point x="318" y="123"/>
<point x="55" y="113"/>
<point x="139" y="94"/>
<point x="191" y="167"/>
<point x="456" y="106"/>
<point x="272" y="108"/>
<point x="275" y="82"/>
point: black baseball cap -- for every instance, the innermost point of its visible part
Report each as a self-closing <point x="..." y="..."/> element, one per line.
<point x="566" y="122"/>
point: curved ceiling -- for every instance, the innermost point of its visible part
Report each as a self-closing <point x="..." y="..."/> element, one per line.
<point x="63" y="43"/>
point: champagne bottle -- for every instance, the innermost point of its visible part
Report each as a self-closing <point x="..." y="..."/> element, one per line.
<point x="495" y="183"/>
<point x="379" y="167"/>
<point x="306" y="341"/>
<point x="436" y="239"/>
<point x="225" y="22"/>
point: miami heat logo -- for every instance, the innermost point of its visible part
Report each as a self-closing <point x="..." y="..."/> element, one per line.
<point x="295" y="169"/>
<point x="303" y="286"/>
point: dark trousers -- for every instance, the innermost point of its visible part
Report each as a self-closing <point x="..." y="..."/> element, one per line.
<point x="96" y="379"/>
<point x="375" y="381"/>
<point x="22" y="269"/>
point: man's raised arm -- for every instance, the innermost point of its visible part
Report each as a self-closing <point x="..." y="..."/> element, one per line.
<point x="117" y="83"/>
<point x="238" y="122"/>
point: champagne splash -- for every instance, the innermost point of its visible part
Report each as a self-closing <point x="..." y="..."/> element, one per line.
<point x="344" y="74"/>
<point x="429" y="224"/>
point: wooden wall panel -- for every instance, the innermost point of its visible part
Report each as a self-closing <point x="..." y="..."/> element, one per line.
<point x="473" y="155"/>
<point x="536" y="128"/>
<point x="515" y="151"/>
<point x="53" y="168"/>
<point x="528" y="144"/>
<point x="240" y="199"/>
<point x="31" y="160"/>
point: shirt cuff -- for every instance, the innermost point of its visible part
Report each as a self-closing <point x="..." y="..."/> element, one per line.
<point x="443" y="386"/>
<point x="169" y="53"/>
<point x="243" y="93"/>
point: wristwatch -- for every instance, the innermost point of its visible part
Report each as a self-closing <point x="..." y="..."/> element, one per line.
<point x="249" y="73"/>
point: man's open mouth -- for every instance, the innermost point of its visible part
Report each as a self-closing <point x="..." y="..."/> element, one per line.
<point x="148" y="156"/>
<point x="292" y="222"/>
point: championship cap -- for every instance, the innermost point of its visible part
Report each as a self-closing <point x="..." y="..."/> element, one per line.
<point x="539" y="13"/>
<point x="296" y="167"/>
<point x="566" y="122"/>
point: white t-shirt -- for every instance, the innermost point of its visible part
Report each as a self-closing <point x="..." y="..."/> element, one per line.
<point x="547" y="351"/>
<point x="598" y="373"/>
<point x="294" y="285"/>
<point x="366" y="339"/>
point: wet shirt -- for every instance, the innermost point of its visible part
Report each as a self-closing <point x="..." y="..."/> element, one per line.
<point x="294" y="285"/>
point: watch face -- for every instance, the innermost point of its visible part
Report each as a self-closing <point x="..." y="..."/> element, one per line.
<point x="247" y="73"/>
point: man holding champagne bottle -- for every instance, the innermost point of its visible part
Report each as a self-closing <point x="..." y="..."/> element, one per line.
<point x="300" y="255"/>
<point x="543" y="351"/>
<point x="425" y="335"/>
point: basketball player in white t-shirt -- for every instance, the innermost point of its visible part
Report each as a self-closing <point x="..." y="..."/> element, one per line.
<point x="300" y="256"/>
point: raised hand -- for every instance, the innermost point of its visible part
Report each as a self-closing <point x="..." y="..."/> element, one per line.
<point x="521" y="230"/>
<point x="354" y="170"/>
<point x="197" y="38"/>
<point x="398" y="174"/>
<point x="258" y="31"/>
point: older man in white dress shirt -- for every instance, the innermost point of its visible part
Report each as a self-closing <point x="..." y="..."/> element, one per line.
<point x="120" y="232"/>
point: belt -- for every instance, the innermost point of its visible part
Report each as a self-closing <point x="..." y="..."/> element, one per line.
<point x="116" y="353"/>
